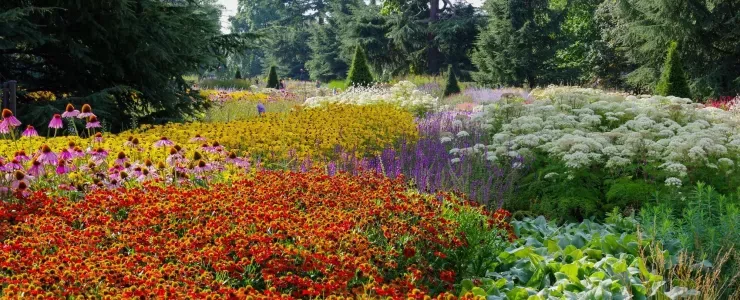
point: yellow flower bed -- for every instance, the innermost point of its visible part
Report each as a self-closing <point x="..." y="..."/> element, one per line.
<point x="313" y="133"/>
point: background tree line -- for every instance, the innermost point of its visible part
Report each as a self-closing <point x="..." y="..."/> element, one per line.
<point x="617" y="44"/>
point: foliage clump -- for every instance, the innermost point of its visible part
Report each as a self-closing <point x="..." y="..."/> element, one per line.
<point x="451" y="87"/>
<point x="359" y="72"/>
<point x="272" y="79"/>
<point x="673" y="79"/>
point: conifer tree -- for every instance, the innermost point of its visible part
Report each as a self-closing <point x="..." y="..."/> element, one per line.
<point x="452" y="87"/>
<point x="272" y="79"/>
<point x="673" y="79"/>
<point x="359" y="73"/>
<point x="238" y="74"/>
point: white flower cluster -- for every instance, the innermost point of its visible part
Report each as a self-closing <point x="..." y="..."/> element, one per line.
<point x="403" y="94"/>
<point x="586" y="127"/>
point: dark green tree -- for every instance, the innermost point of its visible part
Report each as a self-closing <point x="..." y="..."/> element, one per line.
<point x="517" y="45"/>
<point x="327" y="61"/>
<point x="359" y="73"/>
<point x="238" y="74"/>
<point x="272" y="79"/>
<point x="451" y="87"/>
<point x="673" y="79"/>
<point x="128" y="56"/>
<point x="708" y="32"/>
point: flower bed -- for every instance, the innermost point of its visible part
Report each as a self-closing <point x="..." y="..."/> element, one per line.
<point x="289" y="234"/>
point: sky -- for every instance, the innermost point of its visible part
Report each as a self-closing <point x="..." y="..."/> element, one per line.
<point x="230" y="10"/>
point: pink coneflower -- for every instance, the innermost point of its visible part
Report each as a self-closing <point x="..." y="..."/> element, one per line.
<point x="56" y="122"/>
<point x="198" y="139"/>
<point x="9" y="119"/>
<point x="47" y="156"/>
<point x="13" y="165"/>
<point x="19" y="178"/>
<point x="4" y="129"/>
<point x="30" y="132"/>
<point x="65" y="155"/>
<point x="70" y="111"/>
<point x="92" y="122"/>
<point x="99" y="154"/>
<point x="175" y="157"/>
<point x="21" y="156"/>
<point x="122" y="159"/>
<point x="98" y="137"/>
<point x="36" y="168"/>
<point x="163" y="142"/>
<point x="77" y="152"/>
<point x="202" y="166"/>
<point x="86" y="112"/>
<point x="129" y="142"/>
<point x="62" y="168"/>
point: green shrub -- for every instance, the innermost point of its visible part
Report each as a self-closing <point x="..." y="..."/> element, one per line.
<point x="337" y="84"/>
<point x="272" y="79"/>
<point x="627" y="193"/>
<point x="673" y="79"/>
<point x="451" y="88"/>
<point x="359" y="73"/>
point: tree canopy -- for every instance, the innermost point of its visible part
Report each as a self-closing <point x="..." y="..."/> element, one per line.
<point x="128" y="56"/>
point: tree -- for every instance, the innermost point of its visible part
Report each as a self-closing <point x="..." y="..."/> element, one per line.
<point x="359" y="73"/>
<point x="128" y="56"/>
<point x="238" y="74"/>
<point x="451" y="87"/>
<point x="272" y="79"/>
<point x="327" y="60"/>
<point x="517" y="45"/>
<point x="673" y="79"/>
<point x="708" y="32"/>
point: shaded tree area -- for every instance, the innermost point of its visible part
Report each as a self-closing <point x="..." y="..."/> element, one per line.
<point x="126" y="58"/>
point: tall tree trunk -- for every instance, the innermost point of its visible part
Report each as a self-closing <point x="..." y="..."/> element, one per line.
<point x="433" y="54"/>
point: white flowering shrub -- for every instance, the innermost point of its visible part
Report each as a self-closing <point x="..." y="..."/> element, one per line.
<point x="590" y="138"/>
<point x="404" y="94"/>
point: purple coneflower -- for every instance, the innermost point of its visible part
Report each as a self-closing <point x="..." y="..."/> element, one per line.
<point x="121" y="159"/>
<point x="202" y="166"/>
<point x="92" y="122"/>
<point x="86" y="112"/>
<point x="99" y="154"/>
<point x="62" y="168"/>
<point x="21" y="156"/>
<point x="197" y="139"/>
<point x="70" y="112"/>
<point x="30" y="132"/>
<point x="98" y="137"/>
<point x="56" y="122"/>
<point x="65" y="155"/>
<point x="77" y="152"/>
<point x="19" y="179"/>
<point x="9" y="120"/>
<point x="47" y="156"/>
<point x="163" y="142"/>
<point x="13" y="165"/>
<point x="4" y="129"/>
<point x="36" y="168"/>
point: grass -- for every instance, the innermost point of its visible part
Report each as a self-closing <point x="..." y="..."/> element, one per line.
<point x="237" y="84"/>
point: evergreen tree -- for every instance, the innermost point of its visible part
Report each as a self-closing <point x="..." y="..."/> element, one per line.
<point x="238" y="74"/>
<point x="673" y="79"/>
<point x="84" y="50"/>
<point x="359" y="73"/>
<point x="708" y="32"/>
<point x="272" y="79"/>
<point x="517" y="44"/>
<point x="451" y="87"/>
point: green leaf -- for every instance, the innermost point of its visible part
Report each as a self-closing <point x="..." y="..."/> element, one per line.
<point x="517" y="293"/>
<point x="571" y="270"/>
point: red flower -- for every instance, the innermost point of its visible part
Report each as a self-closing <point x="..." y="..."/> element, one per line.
<point x="409" y="252"/>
